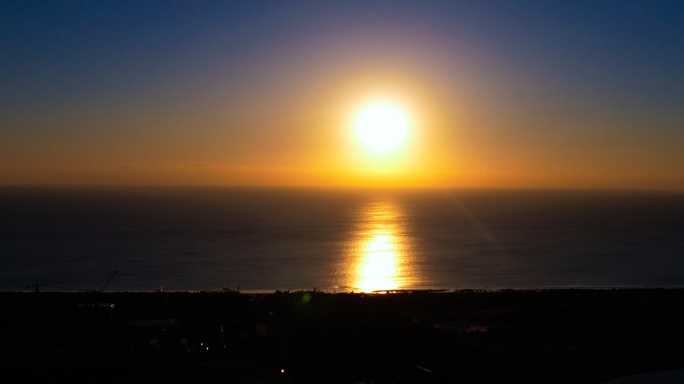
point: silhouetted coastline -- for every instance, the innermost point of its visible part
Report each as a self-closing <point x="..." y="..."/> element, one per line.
<point x="467" y="336"/>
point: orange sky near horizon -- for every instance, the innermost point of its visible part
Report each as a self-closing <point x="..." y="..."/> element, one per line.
<point x="453" y="141"/>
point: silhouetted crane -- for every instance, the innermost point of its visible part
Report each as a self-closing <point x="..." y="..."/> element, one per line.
<point x="109" y="280"/>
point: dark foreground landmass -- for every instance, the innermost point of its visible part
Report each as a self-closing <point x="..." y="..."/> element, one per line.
<point x="559" y="336"/>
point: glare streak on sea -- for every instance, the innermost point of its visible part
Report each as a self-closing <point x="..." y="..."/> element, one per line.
<point x="264" y="239"/>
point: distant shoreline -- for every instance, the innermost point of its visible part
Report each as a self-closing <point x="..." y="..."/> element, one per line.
<point x="377" y="292"/>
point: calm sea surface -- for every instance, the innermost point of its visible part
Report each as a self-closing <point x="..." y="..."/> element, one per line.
<point x="337" y="239"/>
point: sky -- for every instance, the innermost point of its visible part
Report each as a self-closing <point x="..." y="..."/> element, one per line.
<point x="497" y="94"/>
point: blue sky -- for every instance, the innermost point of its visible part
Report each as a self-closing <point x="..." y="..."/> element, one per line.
<point x="534" y="74"/>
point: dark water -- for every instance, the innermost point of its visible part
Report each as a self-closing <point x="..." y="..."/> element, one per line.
<point x="267" y="239"/>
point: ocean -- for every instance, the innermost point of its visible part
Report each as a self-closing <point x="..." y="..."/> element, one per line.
<point x="337" y="240"/>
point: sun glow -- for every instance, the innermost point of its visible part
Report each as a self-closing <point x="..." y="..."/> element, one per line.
<point x="382" y="127"/>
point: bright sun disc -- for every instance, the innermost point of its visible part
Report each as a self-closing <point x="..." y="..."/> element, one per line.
<point x="382" y="127"/>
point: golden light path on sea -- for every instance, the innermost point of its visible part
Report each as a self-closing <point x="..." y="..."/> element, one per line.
<point x="380" y="260"/>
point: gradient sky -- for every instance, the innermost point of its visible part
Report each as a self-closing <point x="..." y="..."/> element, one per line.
<point x="582" y="94"/>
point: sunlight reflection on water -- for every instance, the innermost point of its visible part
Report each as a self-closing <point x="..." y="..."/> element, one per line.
<point x="380" y="261"/>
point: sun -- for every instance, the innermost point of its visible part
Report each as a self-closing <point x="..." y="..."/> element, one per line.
<point x="382" y="127"/>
